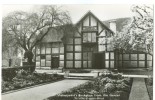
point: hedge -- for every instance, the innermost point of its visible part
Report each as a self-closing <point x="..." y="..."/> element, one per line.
<point x="10" y="72"/>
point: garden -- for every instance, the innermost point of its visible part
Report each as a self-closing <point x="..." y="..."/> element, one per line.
<point x="24" y="78"/>
<point x="108" y="86"/>
<point x="149" y="86"/>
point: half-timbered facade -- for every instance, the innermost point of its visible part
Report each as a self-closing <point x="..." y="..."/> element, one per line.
<point x="88" y="48"/>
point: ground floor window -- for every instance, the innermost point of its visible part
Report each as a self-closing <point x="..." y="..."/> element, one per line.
<point x="134" y="60"/>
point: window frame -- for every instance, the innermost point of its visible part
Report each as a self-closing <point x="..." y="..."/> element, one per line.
<point x="87" y="40"/>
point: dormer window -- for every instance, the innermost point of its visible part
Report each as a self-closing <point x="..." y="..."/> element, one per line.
<point x="89" y="37"/>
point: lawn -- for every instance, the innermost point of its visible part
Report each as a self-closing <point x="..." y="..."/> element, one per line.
<point x="26" y="79"/>
<point x="110" y="86"/>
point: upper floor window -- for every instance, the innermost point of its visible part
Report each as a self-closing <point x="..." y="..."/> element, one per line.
<point x="89" y="37"/>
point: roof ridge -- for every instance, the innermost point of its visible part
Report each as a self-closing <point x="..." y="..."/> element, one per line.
<point x="89" y="12"/>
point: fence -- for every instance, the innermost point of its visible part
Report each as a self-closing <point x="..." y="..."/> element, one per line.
<point x="133" y="60"/>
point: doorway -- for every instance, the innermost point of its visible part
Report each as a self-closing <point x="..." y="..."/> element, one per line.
<point x="98" y="60"/>
<point x="55" y="62"/>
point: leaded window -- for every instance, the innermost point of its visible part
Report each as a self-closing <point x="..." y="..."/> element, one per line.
<point x="89" y="37"/>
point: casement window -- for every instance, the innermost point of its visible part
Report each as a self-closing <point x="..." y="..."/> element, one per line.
<point x="89" y="37"/>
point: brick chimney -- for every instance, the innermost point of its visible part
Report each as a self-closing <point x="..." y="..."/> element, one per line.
<point x="112" y="25"/>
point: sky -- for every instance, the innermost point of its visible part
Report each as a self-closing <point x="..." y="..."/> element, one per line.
<point x="102" y="11"/>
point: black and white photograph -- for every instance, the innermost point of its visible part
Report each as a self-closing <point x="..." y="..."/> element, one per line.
<point x="77" y="52"/>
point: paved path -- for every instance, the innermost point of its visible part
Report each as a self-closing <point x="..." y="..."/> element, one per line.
<point x="44" y="91"/>
<point x="137" y="76"/>
<point x="138" y="90"/>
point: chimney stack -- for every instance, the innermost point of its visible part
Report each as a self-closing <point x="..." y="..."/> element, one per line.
<point x="112" y="24"/>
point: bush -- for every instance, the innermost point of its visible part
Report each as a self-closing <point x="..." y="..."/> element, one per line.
<point x="6" y="86"/>
<point x="127" y="81"/>
<point x="108" y="82"/>
<point x="123" y="87"/>
<point x="112" y="75"/>
<point x="9" y="73"/>
<point x="109" y="87"/>
<point x="149" y="81"/>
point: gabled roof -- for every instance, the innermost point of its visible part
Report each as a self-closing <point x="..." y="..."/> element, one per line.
<point x="90" y="13"/>
<point x="53" y="36"/>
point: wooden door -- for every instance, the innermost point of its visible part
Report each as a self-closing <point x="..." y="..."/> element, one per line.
<point x="98" y="61"/>
<point x="55" y="62"/>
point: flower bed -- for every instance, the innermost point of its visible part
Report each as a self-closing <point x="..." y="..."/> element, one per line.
<point x="108" y="86"/>
<point x="149" y="85"/>
<point x="25" y="79"/>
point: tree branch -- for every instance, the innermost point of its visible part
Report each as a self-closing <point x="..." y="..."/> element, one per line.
<point x="38" y="40"/>
<point x="38" y="28"/>
<point x="16" y="36"/>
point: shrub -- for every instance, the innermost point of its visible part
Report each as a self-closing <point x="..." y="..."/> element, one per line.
<point x="9" y="73"/>
<point x="109" y="87"/>
<point x="17" y="84"/>
<point x="6" y="86"/>
<point x="107" y="80"/>
<point x="149" y="81"/>
<point x="93" y="92"/>
<point x="127" y="81"/>
<point x="110" y="82"/>
<point x="123" y="87"/>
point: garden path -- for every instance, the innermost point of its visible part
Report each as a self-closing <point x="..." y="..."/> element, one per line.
<point x="44" y="91"/>
<point x="139" y="90"/>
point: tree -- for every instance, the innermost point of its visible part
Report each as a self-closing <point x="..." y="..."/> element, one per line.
<point x="68" y="32"/>
<point x="30" y="28"/>
<point x="9" y="48"/>
<point x="137" y="35"/>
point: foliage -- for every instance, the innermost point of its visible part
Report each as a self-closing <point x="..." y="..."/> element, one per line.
<point x="149" y="81"/>
<point x="9" y="46"/>
<point x="149" y="85"/>
<point x="10" y="50"/>
<point x="9" y="73"/>
<point x="28" y="29"/>
<point x="137" y="34"/>
<point x="68" y="31"/>
<point x="25" y="78"/>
